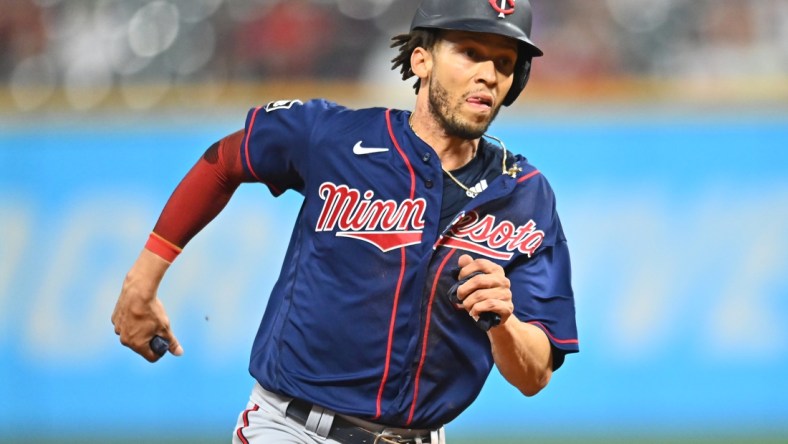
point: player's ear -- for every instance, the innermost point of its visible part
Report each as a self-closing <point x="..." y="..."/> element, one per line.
<point x="421" y="62"/>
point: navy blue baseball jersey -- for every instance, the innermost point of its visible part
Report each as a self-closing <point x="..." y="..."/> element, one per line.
<point x="359" y="320"/>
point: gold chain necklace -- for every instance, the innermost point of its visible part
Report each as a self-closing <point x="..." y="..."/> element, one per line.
<point x="512" y="171"/>
<point x="468" y="191"/>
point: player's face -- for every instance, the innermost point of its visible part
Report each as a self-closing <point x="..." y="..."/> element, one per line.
<point x="471" y="75"/>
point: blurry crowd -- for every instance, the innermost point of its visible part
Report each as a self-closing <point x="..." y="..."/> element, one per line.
<point x="87" y="50"/>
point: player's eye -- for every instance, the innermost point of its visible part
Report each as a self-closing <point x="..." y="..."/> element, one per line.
<point x="505" y="64"/>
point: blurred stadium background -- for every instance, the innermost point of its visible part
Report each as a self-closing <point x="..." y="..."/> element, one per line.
<point x="662" y="125"/>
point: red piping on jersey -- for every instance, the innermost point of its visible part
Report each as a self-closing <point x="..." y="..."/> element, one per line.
<point x="402" y="153"/>
<point x="426" y="334"/>
<point x="240" y="431"/>
<point x="528" y="176"/>
<point x="246" y="144"/>
<point x="390" y="341"/>
<point x="553" y="338"/>
<point x="246" y="152"/>
<point x="400" y="279"/>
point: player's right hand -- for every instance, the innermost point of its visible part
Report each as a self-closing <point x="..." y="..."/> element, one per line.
<point x="139" y="314"/>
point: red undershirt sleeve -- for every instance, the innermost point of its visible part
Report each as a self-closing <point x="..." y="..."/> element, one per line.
<point x="199" y="198"/>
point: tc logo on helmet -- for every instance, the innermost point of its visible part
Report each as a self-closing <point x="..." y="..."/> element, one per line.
<point x="500" y="7"/>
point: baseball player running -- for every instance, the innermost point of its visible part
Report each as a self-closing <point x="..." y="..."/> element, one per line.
<point x="424" y="252"/>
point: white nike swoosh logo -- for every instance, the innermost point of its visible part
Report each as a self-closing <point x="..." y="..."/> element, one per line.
<point x="361" y="150"/>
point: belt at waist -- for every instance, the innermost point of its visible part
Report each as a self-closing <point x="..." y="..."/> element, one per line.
<point x="347" y="432"/>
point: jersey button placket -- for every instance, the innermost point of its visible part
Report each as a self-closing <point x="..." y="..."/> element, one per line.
<point x="426" y="159"/>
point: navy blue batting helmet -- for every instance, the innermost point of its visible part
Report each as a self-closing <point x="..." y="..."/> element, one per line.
<point x="510" y="18"/>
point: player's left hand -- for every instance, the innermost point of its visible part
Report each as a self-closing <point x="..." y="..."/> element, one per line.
<point x="487" y="292"/>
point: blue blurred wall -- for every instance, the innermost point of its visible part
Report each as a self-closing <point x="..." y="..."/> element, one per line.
<point x="678" y="228"/>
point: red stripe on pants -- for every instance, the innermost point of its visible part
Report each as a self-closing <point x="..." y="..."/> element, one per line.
<point x="240" y="431"/>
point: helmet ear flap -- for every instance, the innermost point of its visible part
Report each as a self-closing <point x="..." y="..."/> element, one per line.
<point x="522" y="72"/>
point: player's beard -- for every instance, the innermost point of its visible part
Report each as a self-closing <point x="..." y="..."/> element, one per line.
<point x="450" y="118"/>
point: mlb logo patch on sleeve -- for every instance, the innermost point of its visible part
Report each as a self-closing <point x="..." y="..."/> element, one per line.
<point x="281" y="104"/>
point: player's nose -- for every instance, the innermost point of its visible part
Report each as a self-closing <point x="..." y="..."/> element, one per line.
<point x="486" y="72"/>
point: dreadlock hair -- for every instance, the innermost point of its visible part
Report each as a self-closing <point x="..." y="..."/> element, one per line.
<point x="424" y="38"/>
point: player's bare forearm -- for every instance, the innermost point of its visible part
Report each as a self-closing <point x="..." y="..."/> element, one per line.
<point x="521" y="351"/>
<point x="522" y="354"/>
<point x="139" y="314"/>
